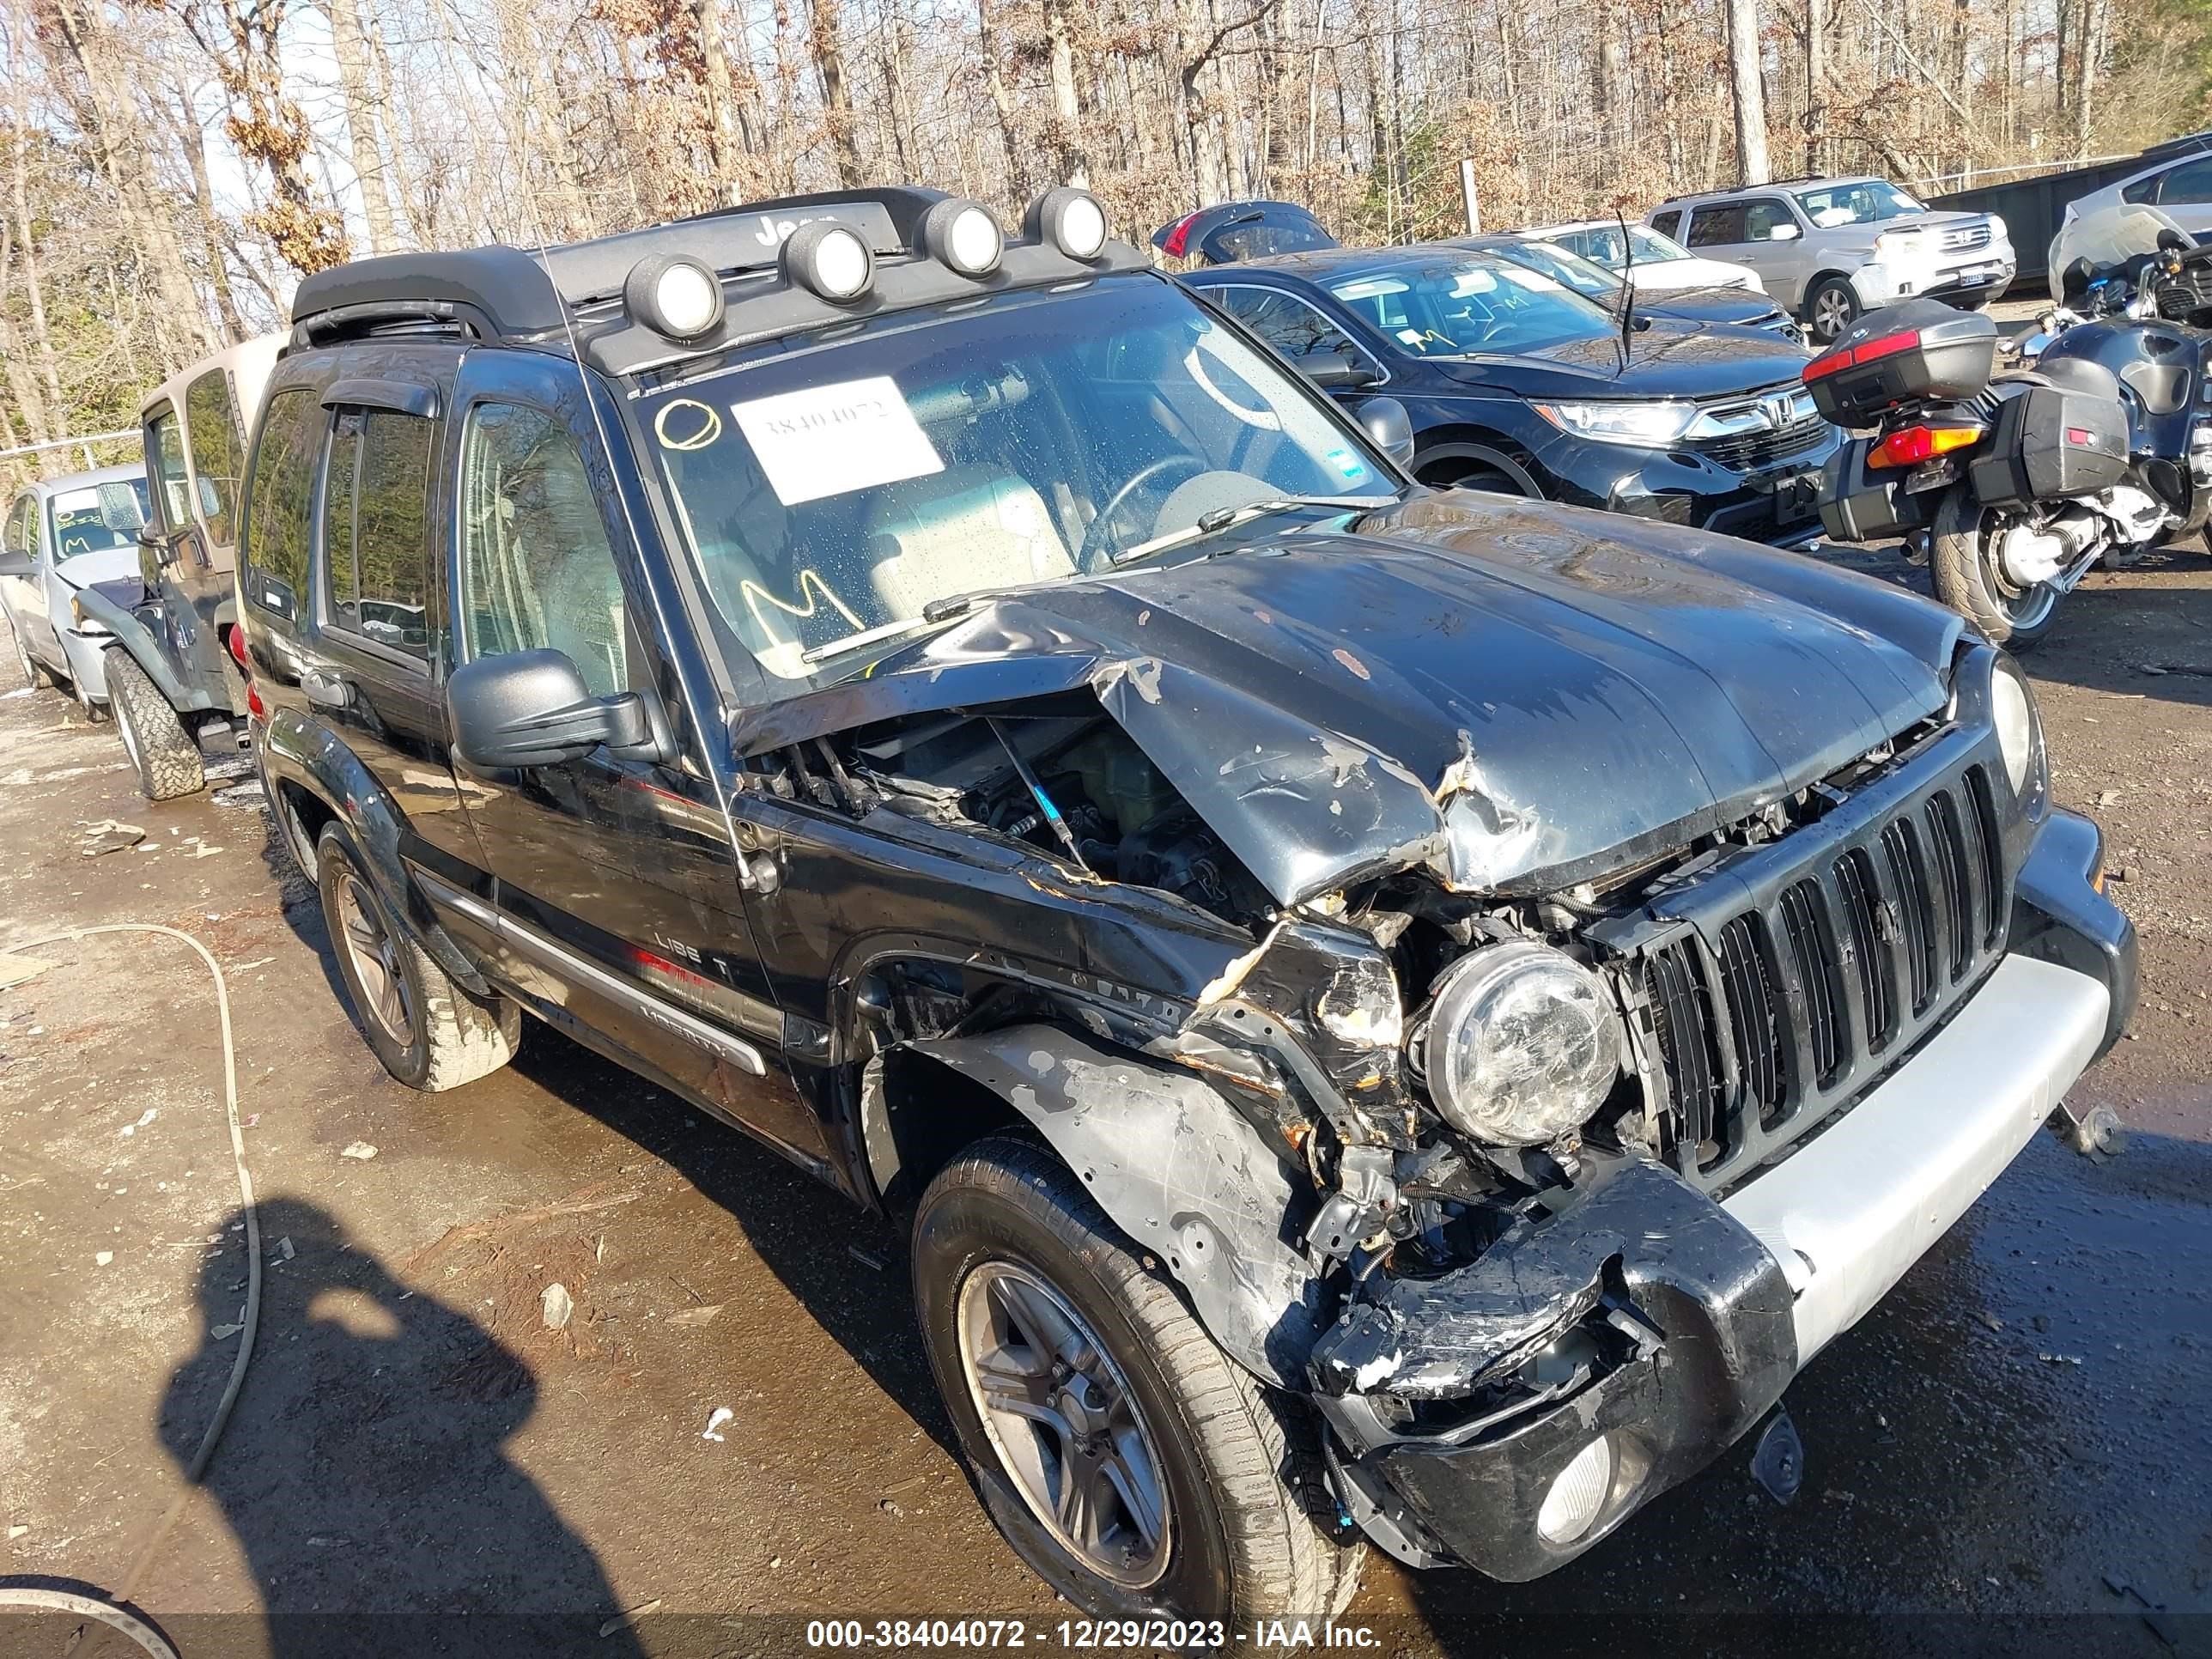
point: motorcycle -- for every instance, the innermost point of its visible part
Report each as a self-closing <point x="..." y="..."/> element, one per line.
<point x="2019" y="485"/>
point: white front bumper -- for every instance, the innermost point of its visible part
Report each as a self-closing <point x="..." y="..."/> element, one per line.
<point x="1861" y="1202"/>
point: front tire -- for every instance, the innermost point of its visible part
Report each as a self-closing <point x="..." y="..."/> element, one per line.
<point x="430" y="1033"/>
<point x="1057" y="1351"/>
<point x="166" y="759"/>
<point x="1830" y="308"/>
<point x="36" y="674"/>
<point x="1963" y="566"/>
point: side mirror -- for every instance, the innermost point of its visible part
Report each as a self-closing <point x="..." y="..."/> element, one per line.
<point x="1787" y="231"/>
<point x="1384" y="421"/>
<point x="18" y="564"/>
<point x="532" y="708"/>
<point x="1335" y="371"/>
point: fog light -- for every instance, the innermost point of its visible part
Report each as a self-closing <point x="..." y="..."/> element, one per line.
<point x="964" y="236"/>
<point x="1577" y="1495"/>
<point x="674" y="296"/>
<point x="830" y="260"/>
<point x="1070" y="220"/>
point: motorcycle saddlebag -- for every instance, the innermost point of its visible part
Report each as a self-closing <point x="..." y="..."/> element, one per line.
<point x="1860" y="503"/>
<point x="1916" y="351"/>
<point x="2051" y="443"/>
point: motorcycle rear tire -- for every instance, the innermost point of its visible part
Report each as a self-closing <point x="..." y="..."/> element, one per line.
<point x="1962" y="564"/>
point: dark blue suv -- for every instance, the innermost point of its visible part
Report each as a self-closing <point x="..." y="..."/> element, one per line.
<point x="1517" y="384"/>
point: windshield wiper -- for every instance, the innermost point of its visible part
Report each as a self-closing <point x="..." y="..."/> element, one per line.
<point x="814" y="654"/>
<point x="1221" y="517"/>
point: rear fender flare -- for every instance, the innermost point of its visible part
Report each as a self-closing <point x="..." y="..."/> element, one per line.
<point x="1179" y="1171"/>
<point x="305" y="757"/>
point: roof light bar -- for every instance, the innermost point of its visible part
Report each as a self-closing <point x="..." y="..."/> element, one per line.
<point x="829" y="262"/>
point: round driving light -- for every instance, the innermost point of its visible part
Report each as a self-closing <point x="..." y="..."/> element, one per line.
<point x="674" y="296"/>
<point x="1523" y="1044"/>
<point x="2012" y="711"/>
<point x="964" y="236"/>
<point x="828" y="260"/>
<point x="1070" y="220"/>
<point x="1578" y="1494"/>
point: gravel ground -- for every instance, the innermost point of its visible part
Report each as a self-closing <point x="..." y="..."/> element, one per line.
<point x="418" y="1462"/>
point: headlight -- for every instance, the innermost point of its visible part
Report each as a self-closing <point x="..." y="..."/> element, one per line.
<point x="1652" y="424"/>
<point x="1891" y="243"/>
<point x="1523" y="1044"/>
<point x="2019" y="728"/>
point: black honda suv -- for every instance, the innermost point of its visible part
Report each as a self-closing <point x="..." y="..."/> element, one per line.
<point x="1394" y="1015"/>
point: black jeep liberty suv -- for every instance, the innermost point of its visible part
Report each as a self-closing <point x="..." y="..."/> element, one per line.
<point x="1396" y="1016"/>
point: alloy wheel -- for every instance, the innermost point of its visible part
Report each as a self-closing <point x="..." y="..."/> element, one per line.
<point x="1065" y="1424"/>
<point x="375" y="958"/>
<point x="1831" y="313"/>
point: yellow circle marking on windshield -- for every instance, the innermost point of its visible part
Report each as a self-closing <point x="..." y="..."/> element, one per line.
<point x="709" y="428"/>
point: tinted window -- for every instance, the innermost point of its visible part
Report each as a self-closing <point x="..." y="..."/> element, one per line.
<point x="1760" y="217"/>
<point x="537" y="570"/>
<point x="376" y="527"/>
<point x="218" y="452"/>
<point x="169" y="468"/>
<point x="280" y="500"/>
<point x="2190" y="182"/>
<point x="1721" y="225"/>
<point x="16" y="538"/>
<point x="1290" y="324"/>
<point x="1667" y="224"/>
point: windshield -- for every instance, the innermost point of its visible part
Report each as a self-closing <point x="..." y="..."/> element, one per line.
<point x="1863" y="202"/>
<point x="1590" y="280"/>
<point x="97" y="518"/>
<point x="831" y="487"/>
<point x="2099" y="244"/>
<point x="1469" y="304"/>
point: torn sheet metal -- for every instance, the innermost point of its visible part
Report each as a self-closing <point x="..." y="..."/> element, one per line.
<point x="1329" y="1011"/>
<point x="1449" y="1337"/>
<point x="1178" y="1171"/>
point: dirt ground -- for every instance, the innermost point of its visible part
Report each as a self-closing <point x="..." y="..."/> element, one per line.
<point x="419" y="1465"/>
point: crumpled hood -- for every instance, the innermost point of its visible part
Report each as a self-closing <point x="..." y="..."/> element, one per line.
<point x="86" y="569"/>
<point x="1517" y="695"/>
<point x="1668" y="359"/>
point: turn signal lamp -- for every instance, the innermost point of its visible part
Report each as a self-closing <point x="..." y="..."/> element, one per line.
<point x="1910" y="445"/>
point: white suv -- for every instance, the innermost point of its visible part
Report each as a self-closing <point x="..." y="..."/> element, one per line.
<point x="1830" y="248"/>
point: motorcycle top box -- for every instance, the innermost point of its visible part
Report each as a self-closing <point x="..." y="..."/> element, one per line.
<point x="1921" y="348"/>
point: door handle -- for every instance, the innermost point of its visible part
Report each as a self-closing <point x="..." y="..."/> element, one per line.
<point x="326" y="690"/>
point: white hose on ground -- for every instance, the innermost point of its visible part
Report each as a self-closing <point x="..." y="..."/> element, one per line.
<point x="111" y="1611"/>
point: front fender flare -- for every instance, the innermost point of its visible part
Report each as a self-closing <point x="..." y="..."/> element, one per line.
<point x="1179" y="1171"/>
<point x="132" y="635"/>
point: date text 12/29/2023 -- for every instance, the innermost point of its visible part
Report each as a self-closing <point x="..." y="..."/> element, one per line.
<point x="1088" y="1635"/>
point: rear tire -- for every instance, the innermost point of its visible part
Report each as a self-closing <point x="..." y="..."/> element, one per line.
<point x="166" y="759"/>
<point x="1830" y="308"/>
<point x="1962" y="564"/>
<point x="1246" y="1526"/>
<point x="430" y="1033"/>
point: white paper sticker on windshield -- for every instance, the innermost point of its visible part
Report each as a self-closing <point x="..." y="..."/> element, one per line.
<point x="830" y="439"/>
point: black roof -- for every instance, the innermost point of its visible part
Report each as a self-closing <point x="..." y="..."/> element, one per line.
<point x="507" y="293"/>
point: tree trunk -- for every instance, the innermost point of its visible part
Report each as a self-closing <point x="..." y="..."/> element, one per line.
<point x="364" y="146"/>
<point x="1749" y="92"/>
<point x="34" y="289"/>
<point x="823" y="28"/>
<point x="1071" y="162"/>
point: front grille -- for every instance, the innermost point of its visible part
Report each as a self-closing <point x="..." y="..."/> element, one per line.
<point x="1965" y="238"/>
<point x="1767" y="1018"/>
<point x="1750" y="452"/>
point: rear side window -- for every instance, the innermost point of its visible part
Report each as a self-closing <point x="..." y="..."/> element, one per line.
<point x="1665" y="223"/>
<point x="280" y="501"/>
<point x="1721" y="225"/>
<point x="218" y="452"/>
<point x="169" y="471"/>
<point x="537" y="570"/>
<point x="2190" y="183"/>
<point x="376" y="528"/>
